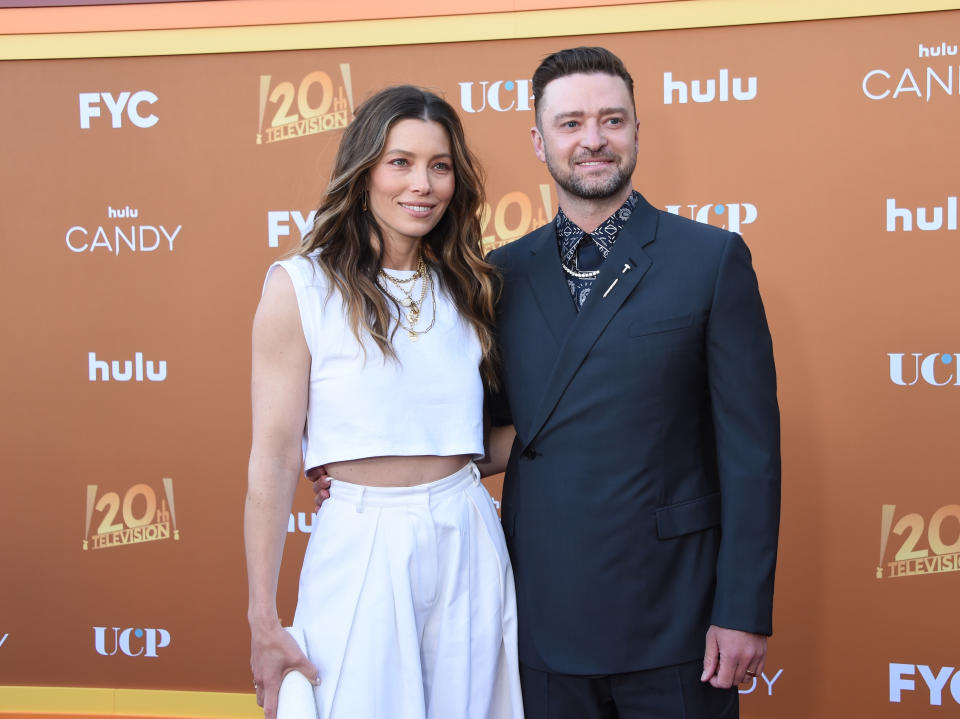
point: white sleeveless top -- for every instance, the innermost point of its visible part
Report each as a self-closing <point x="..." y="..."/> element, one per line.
<point x="428" y="403"/>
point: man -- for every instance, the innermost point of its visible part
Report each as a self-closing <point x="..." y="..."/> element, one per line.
<point x="641" y="498"/>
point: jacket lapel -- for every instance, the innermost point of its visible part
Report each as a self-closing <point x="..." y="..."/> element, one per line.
<point x="621" y="272"/>
<point x="549" y="286"/>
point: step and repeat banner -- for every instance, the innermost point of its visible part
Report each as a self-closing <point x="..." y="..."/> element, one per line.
<point x="144" y="198"/>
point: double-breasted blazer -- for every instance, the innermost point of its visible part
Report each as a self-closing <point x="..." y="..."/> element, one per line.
<point x="641" y="500"/>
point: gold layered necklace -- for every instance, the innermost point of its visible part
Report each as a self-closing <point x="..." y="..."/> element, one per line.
<point x="411" y="307"/>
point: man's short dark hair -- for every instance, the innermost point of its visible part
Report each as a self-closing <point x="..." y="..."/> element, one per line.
<point x="574" y="60"/>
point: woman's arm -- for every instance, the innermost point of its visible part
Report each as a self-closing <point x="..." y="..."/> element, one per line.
<point x="499" y="443"/>
<point x="280" y="382"/>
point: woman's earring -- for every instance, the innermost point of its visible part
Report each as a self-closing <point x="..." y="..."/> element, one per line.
<point x="363" y="201"/>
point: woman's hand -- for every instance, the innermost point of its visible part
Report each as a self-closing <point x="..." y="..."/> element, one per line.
<point x="273" y="653"/>
<point x="321" y="484"/>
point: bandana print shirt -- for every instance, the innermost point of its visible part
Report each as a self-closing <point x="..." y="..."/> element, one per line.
<point x="569" y="237"/>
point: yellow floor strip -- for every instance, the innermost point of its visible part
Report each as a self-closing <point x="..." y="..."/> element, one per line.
<point x="80" y="701"/>
<point x="462" y="28"/>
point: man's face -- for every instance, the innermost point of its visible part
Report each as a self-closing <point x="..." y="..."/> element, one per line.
<point x="587" y="134"/>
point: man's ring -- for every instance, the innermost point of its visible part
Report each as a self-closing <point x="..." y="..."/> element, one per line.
<point x="751" y="674"/>
<point x="255" y="686"/>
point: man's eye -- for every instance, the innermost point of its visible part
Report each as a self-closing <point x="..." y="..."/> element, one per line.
<point x="570" y="123"/>
<point x="616" y="121"/>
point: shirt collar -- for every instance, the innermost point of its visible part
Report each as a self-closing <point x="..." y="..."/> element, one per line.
<point x="569" y="234"/>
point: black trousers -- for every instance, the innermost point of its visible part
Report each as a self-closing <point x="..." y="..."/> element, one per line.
<point x="674" y="692"/>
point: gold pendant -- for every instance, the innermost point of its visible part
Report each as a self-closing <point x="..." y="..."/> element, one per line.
<point x="406" y="302"/>
<point x="413" y="336"/>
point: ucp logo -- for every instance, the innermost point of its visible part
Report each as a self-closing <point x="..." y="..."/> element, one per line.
<point x="501" y="95"/>
<point x="90" y="107"/>
<point x="934" y="369"/>
<point x="730" y="216"/>
<point x="132" y="642"/>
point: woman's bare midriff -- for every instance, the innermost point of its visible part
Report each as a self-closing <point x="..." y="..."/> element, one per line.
<point x="395" y="471"/>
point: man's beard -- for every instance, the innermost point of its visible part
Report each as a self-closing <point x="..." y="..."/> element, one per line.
<point x="592" y="188"/>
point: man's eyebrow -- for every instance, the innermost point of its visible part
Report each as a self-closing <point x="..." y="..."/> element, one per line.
<point x="573" y="114"/>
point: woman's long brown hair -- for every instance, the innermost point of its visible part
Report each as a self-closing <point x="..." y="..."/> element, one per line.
<point x="342" y="229"/>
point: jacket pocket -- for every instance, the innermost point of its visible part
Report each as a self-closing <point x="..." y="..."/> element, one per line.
<point x="693" y="515"/>
<point x="647" y="327"/>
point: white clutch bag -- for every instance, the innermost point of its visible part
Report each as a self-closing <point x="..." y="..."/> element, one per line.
<point x="296" y="700"/>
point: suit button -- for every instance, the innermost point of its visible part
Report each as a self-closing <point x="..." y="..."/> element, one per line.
<point x="530" y="453"/>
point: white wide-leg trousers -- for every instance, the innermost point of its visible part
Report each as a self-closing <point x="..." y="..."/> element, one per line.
<point x="407" y="604"/>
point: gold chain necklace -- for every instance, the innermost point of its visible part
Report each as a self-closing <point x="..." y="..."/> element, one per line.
<point x="407" y="301"/>
<point x="414" y="306"/>
<point x="421" y="271"/>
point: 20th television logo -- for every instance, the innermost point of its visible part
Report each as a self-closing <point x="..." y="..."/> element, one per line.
<point x="142" y="519"/>
<point x="308" y="107"/>
<point x="927" y="546"/>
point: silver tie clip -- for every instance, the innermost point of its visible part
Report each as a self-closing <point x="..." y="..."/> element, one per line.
<point x="626" y="268"/>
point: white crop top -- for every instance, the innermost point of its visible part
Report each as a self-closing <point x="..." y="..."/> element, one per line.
<point x="428" y="403"/>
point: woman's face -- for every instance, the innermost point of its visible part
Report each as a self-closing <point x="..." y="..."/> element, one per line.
<point x="412" y="183"/>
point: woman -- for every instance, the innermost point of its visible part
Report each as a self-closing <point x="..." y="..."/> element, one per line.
<point x="371" y="345"/>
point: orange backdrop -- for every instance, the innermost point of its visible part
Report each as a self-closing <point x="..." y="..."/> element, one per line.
<point x="144" y="198"/>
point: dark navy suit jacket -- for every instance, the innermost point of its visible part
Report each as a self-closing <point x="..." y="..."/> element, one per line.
<point x="641" y="501"/>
